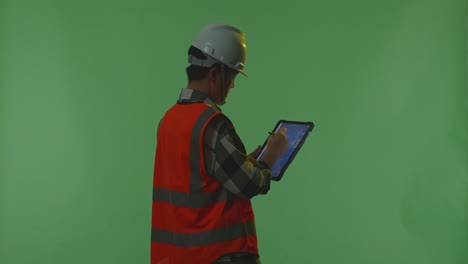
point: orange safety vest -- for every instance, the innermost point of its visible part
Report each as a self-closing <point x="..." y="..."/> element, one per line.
<point x="194" y="218"/>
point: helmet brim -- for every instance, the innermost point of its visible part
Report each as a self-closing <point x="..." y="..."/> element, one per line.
<point x="242" y="72"/>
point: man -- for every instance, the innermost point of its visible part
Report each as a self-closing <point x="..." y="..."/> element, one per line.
<point x="203" y="178"/>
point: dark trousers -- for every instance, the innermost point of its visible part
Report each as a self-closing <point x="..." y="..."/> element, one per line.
<point x="238" y="258"/>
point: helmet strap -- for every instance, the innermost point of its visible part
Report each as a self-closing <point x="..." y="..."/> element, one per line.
<point x="223" y="90"/>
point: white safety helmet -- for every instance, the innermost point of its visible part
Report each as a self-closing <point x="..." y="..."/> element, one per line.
<point x="222" y="43"/>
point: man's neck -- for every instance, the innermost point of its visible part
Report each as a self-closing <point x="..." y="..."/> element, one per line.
<point x="198" y="86"/>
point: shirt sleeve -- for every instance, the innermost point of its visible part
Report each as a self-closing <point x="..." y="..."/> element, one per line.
<point x="226" y="161"/>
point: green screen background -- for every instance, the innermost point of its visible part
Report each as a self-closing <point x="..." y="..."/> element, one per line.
<point x="383" y="178"/>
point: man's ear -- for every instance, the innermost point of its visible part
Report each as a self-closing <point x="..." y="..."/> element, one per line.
<point x="212" y="75"/>
<point x="213" y="72"/>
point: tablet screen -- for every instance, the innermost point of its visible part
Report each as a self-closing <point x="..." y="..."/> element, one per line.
<point x="295" y="133"/>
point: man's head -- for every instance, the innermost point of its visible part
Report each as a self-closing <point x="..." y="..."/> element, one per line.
<point x="216" y="56"/>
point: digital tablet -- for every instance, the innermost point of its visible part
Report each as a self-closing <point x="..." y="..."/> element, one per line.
<point x="296" y="132"/>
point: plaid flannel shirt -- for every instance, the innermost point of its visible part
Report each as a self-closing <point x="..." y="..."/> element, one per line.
<point x="225" y="156"/>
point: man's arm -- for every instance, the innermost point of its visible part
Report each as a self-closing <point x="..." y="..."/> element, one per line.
<point x="242" y="175"/>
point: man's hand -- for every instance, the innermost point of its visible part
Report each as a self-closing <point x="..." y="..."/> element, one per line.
<point x="255" y="153"/>
<point x="277" y="145"/>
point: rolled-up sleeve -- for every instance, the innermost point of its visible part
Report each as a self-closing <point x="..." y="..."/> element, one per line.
<point x="226" y="161"/>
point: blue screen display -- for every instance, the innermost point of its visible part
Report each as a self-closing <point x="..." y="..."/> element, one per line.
<point x="294" y="133"/>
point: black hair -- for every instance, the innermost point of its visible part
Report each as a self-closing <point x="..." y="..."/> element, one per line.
<point x="196" y="72"/>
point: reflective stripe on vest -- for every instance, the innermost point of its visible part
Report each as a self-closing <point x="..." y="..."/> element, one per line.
<point x="192" y="200"/>
<point x="195" y="159"/>
<point x="203" y="238"/>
